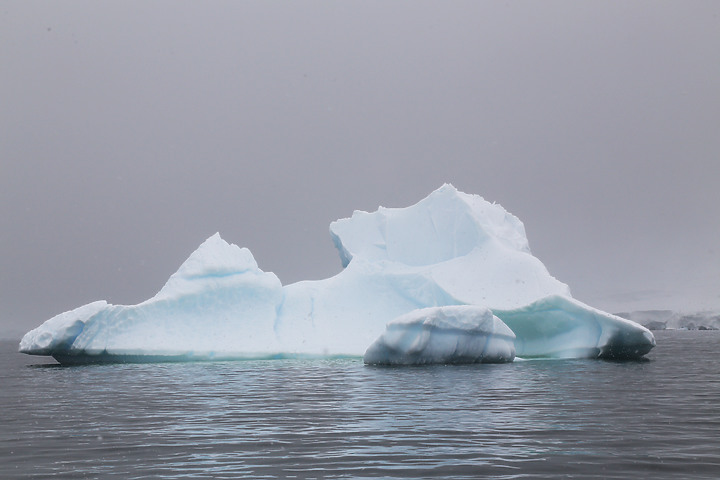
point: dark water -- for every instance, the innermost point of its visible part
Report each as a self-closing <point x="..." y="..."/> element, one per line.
<point x="339" y="419"/>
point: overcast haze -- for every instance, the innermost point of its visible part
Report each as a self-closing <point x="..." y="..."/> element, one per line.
<point x="132" y="131"/>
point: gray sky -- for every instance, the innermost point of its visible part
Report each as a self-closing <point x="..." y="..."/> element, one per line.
<point x="131" y="131"/>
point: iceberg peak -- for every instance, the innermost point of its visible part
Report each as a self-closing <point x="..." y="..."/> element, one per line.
<point x="216" y="257"/>
<point x="447" y="224"/>
<point x="213" y="259"/>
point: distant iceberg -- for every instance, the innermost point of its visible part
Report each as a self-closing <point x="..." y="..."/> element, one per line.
<point x="673" y="320"/>
<point x="450" y="248"/>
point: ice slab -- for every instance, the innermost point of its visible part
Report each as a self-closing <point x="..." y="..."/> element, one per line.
<point x="448" y="335"/>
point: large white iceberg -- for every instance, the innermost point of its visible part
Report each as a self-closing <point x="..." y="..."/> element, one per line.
<point x="451" y="248"/>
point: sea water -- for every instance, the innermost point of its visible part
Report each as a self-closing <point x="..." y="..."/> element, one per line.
<point x="658" y="418"/>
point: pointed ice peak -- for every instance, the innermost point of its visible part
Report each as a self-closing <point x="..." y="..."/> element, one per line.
<point x="490" y="217"/>
<point x="446" y="187"/>
<point x="216" y="257"/>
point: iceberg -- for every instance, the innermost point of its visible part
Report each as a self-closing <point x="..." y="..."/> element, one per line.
<point x="449" y="249"/>
<point x="674" y="320"/>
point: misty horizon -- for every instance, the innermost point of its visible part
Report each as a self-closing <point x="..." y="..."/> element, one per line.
<point x="133" y="131"/>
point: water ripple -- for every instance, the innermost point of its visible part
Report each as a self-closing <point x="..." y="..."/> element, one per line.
<point x="340" y="419"/>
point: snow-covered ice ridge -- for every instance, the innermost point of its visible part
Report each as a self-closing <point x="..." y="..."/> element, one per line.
<point x="672" y="320"/>
<point x="449" y="249"/>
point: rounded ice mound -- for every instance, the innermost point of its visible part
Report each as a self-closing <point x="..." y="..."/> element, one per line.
<point x="449" y="335"/>
<point x="59" y="333"/>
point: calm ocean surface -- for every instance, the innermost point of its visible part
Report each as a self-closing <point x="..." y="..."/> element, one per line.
<point x="340" y="419"/>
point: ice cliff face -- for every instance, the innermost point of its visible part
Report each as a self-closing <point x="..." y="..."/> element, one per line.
<point x="474" y="251"/>
<point x="449" y="249"/>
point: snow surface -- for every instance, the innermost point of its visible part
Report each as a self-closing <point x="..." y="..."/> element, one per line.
<point x="452" y="334"/>
<point x="448" y="249"/>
